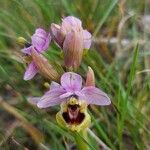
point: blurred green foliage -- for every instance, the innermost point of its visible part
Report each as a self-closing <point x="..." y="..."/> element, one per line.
<point x="123" y="125"/>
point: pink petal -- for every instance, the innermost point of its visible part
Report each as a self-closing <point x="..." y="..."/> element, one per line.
<point x="51" y="98"/>
<point x="54" y="85"/>
<point x="41" y="31"/>
<point x="38" y="42"/>
<point x="90" y="77"/>
<point x="95" y="96"/>
<point x="87" y="37"/>
<point x="47" y="42"/>
<point x="31" y="71"/>
<point x="27" y="50"/>
<point x="66" y="95"/>
<point x="73" y="49"/>
<point x="70" y="23"/>
<point x="41" y="40"/>
<point x="71" y="81"/>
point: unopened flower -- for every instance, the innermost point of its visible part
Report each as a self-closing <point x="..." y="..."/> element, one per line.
<point x="22" y="42"/>
<point x="72" y="38"/>
<point x="39" y="41"/>
<point x="74" y="99"/>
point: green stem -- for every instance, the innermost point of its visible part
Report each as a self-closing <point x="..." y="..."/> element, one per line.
<point x="81" y="138"/>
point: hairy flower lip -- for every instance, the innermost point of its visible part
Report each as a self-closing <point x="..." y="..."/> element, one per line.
<point x="73" y="115"/>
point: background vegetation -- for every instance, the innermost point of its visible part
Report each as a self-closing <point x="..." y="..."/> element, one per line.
<point x="117" y="27"/>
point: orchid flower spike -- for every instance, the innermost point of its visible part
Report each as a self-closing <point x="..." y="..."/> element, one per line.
<point x="72" y="38"/>
<point x="39" y="42"/>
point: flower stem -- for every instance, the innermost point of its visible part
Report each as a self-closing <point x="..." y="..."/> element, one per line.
<point x="81" y="140"/>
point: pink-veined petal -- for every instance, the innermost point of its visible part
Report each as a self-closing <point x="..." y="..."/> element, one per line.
<point x="66" y="95"/>
<point x="41" y="40"/>
<point x="90" y="77"/>
<point x="54" y="85"/>
<point x="27" y="50"/>
<point x="70" y="23"/>
<point x="93" y="95"/>
<point x="51" y="98"/>
<point x="31" y="71"/>
<point x="41" y="32"/>
<point x="73" y="49"/>
<point x="71" y="81"/>
<point x="87" y="37"/>
<point x="38" y="39"/>
<point x="47" y="42"/>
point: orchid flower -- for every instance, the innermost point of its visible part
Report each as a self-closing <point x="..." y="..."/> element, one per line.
<point x="74" y="99"/>
<point x="72" y="38"/>
<point x="39" y="41"/>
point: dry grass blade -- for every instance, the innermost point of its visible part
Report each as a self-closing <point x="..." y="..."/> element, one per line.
<point x="11" y="129"/>
<point x="143" y="71"/>
<point x="37" y="136"/>
<point x="101" y="143"/>
<point x="120" y="29"/>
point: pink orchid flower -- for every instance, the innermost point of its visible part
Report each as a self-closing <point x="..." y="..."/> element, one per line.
<point x="71" y="86"/>
<point x="39" y="41"/>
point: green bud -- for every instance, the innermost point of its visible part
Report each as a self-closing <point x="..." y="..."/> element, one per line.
<point x="21" y="41"/>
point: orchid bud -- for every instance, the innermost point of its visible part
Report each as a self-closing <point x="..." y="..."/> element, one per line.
<point x="73" y="49"/>
<point x="44" y="67"/>
<point x="90" y="78"/>
<point x="21" y="41"/>
<point x="73" y="115"/>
